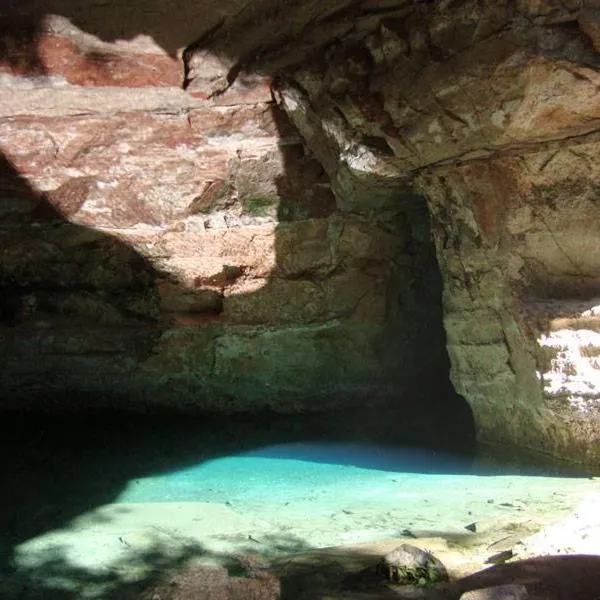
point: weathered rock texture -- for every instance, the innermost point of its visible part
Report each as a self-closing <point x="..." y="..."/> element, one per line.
<point x="234" y="256"/>
<point x="160" y="248"/>
<point x="489" y="110"/>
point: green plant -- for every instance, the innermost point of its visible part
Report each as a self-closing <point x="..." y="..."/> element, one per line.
<point x="257" y="205"/>
<point x="420" y="576"/>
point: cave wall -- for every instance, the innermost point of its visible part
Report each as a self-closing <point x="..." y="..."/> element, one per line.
<point x="490" y="111"/>
<point x="268" y="240"/>
<point x="169" y="248"/>
<point x="518" y="237"/>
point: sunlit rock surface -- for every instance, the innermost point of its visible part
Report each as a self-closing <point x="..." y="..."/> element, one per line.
<point x="163" y="247"/>
<point x="489" y="111"/>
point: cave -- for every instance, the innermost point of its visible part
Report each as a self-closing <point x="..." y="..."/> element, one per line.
<point x="260" y="222"/>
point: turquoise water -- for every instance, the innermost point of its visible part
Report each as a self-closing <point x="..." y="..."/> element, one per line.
<point x="90" y="508"/>
<point x="431" y="488"/>
<point x="285" y="472"/>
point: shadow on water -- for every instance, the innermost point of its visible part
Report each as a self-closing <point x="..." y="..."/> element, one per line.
<point x="54" y="470"/>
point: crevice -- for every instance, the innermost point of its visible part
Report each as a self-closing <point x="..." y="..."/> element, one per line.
<point x="485" y="153"/>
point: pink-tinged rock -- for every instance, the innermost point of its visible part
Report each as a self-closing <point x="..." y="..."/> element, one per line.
<point x="207" y="73"/>
<point x="200" y="256"/>
<point x="229" y="311"/>
<point x="255" y="121"/>
<point x="66" y="200"/>
<point x="61" y="56"/>
<point x="132" y="168"/>
<point x="22" y="98"/>
<point x="431" y="110"/>
<point x="518" y="253"/>
<point x="247" y="89"/>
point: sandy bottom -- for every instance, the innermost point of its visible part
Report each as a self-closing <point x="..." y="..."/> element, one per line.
<point x="292" y="499"/>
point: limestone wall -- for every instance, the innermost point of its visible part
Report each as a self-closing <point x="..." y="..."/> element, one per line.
<point x="259" y="237"/>
<point x="159" y="247"/>
<point x="490" y="111"/>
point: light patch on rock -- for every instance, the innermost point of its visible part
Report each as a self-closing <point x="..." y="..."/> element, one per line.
<point x="332" y="131"/>
<point x="195" y="224"/>
<point x="499" y="118"/>
<point x="216" y="221"/>
<point x="594" y="311"/>
<point x="361" y="159"/>
<point x="96" y="206"/>
<point x="578" y="533"/>
<point x="520" y="219"/>
<point x="291" y="99"/>
<point x="186" y="152"/>
<point x="74" y="173"/>
<point x="18" y="82"/>
<point x="123" y="147"/>
<point x="104" y="185"/>
<point x="513" y="591"/>
<point x="573" y="371"/>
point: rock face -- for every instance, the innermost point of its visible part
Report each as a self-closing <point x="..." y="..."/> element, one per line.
<point x="489" y="111"/>
<point x="160" y="248"/>
<point x="260" y="238"/>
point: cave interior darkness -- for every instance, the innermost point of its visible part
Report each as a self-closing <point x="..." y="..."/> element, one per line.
<point x="436" y="418"/>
